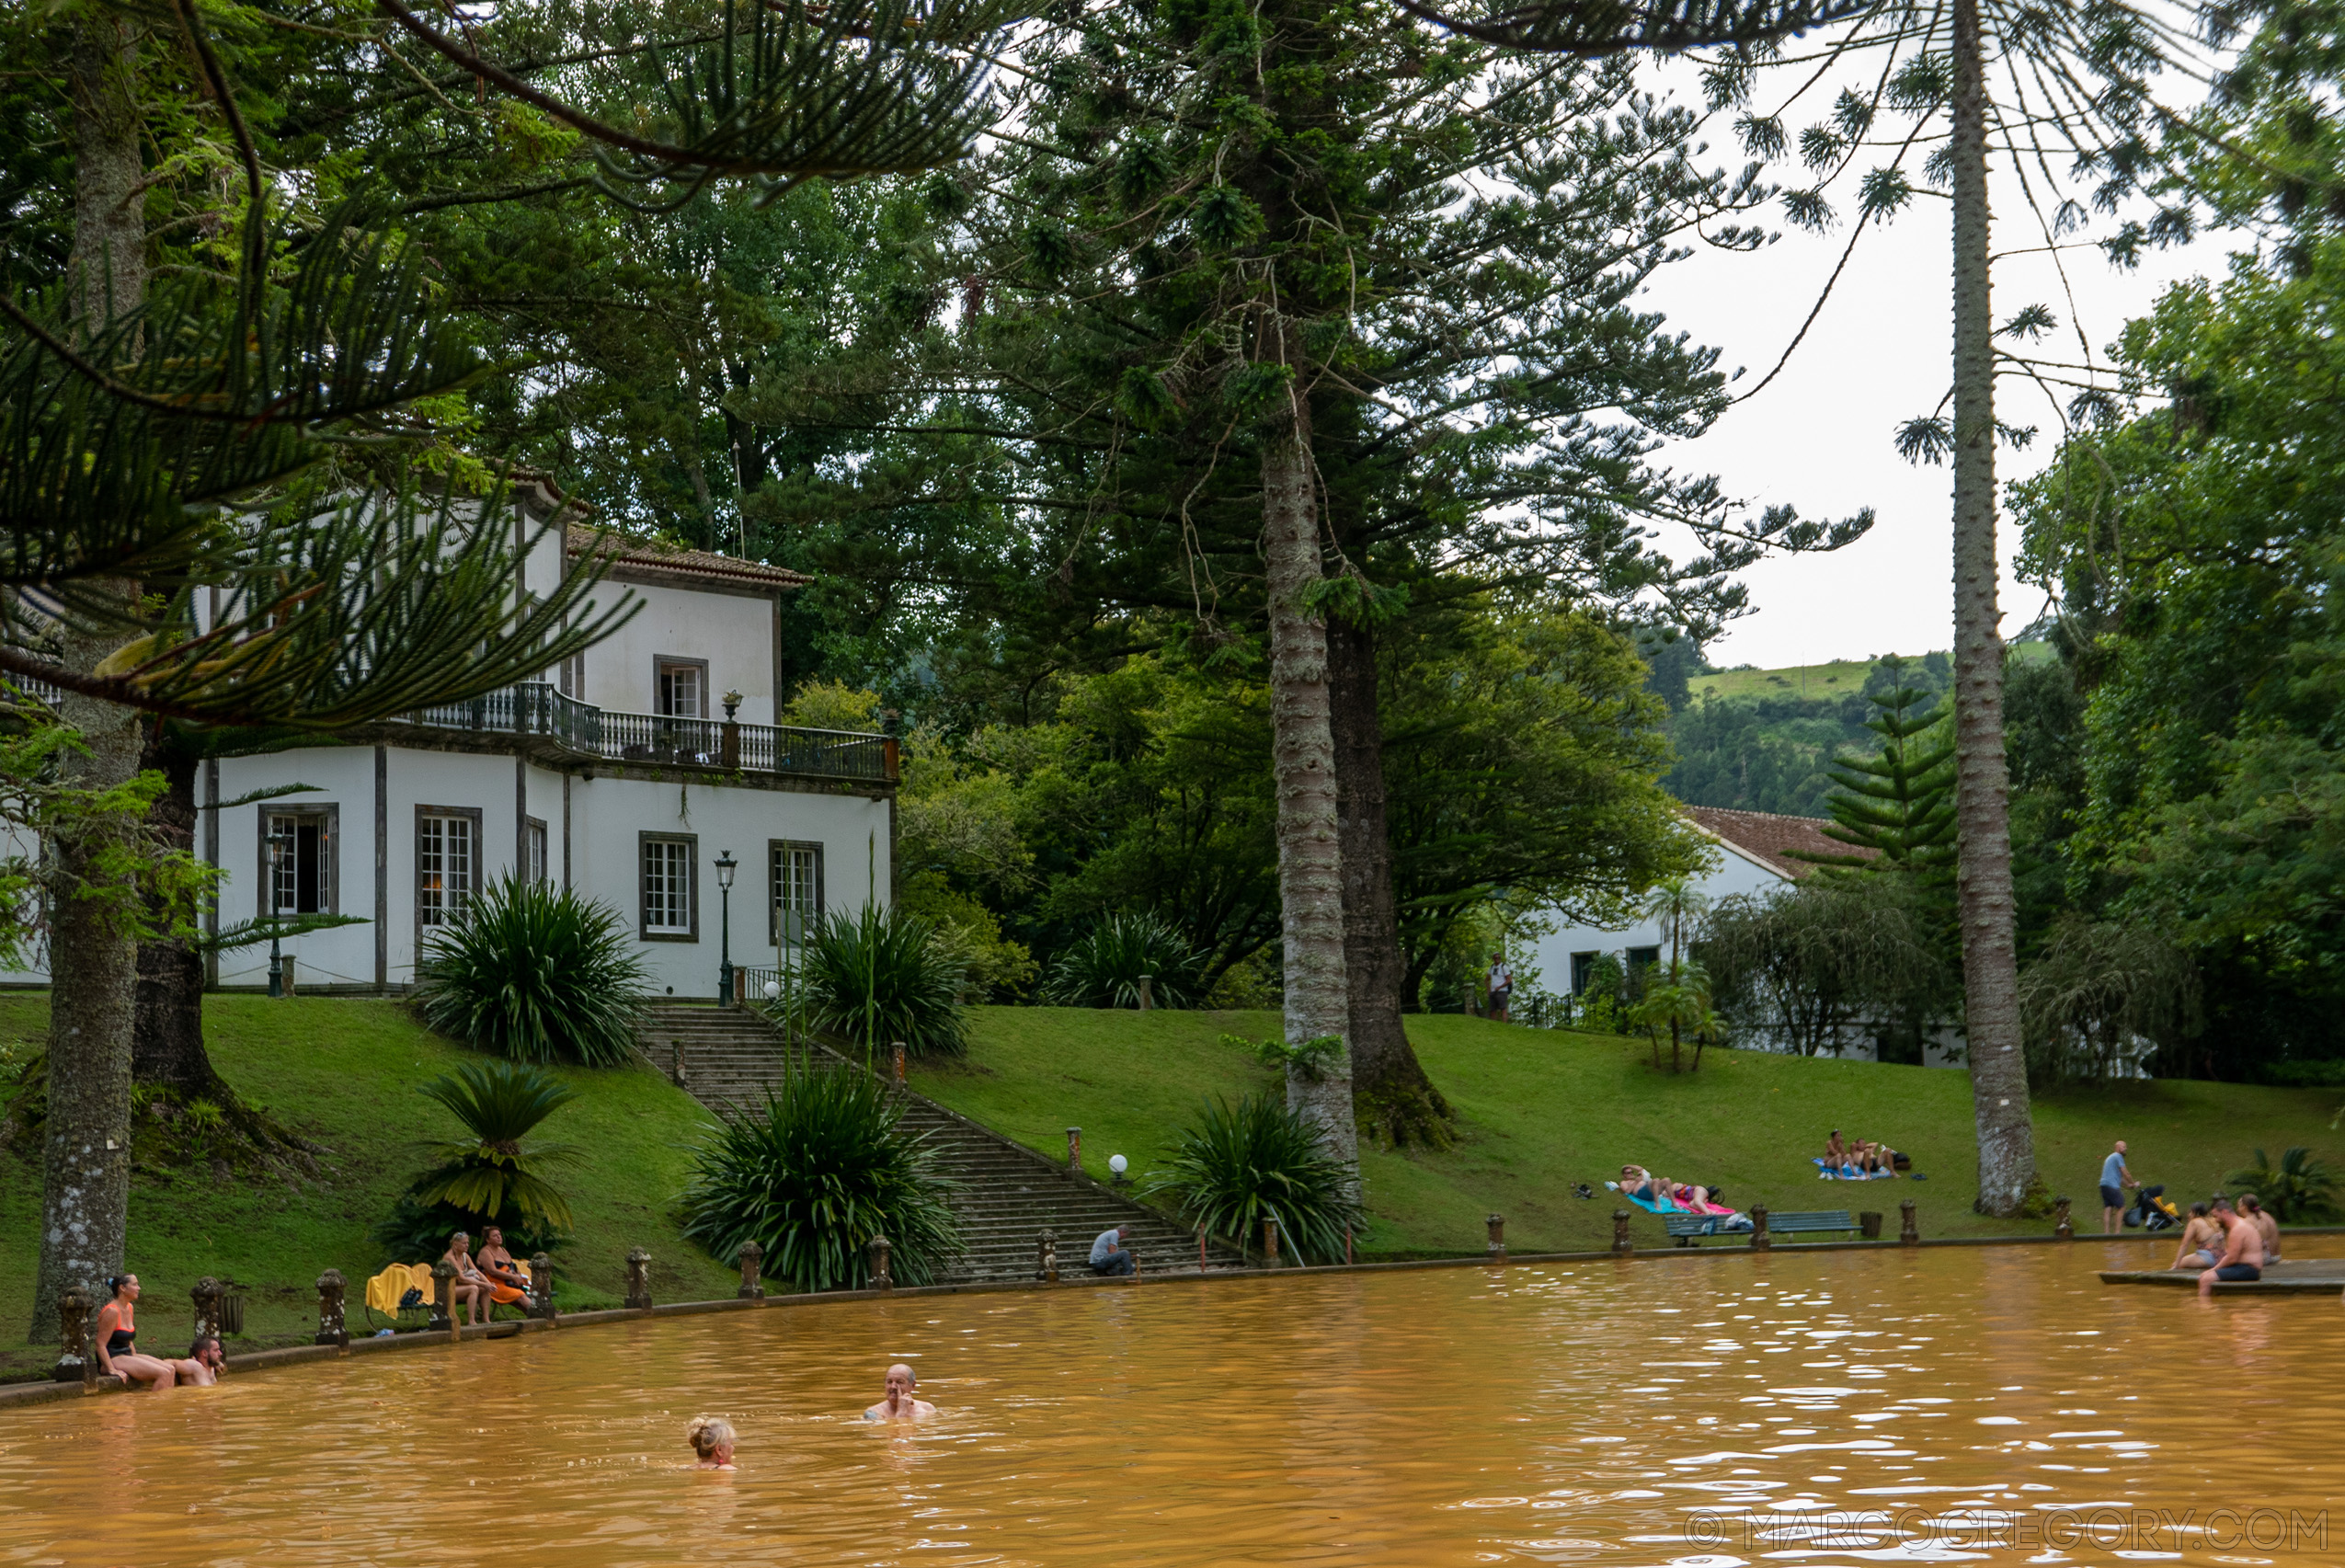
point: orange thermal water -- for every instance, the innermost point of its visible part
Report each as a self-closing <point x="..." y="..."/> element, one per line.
<point x="1994" y="1404"/>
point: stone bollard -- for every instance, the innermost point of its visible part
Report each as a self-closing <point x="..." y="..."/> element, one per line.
<point x="331" y="1328"/>
<point x="1270" y="1243"/>
<point x="1074" y="1151"/>
<point x="1907" y="1231"/>
<point x="900" y="1064"/>
<point x="541" y="1287"/>
<point x="752" y="1260"/>
<point x="1497" y="1223"/>
<point x="206" y="1296"/>
<point x="1045" y="1257"/>
<point x="1348" y="1246"/>
<point x="77" y="1357"/>
<point x="1868" y="1224"/>
<point x="1201" y="1248"/>
<point x="1147" y="992"/>
<point x="444" y="1298"/>
<point x="1620" y="1242"/>
<point x="676" y="1063"/>
<point x="1759" y="1237"/>
<point x="2062" y="1226"/>
<point x="881" y="1279"/>
<point x="639" y="1279"/>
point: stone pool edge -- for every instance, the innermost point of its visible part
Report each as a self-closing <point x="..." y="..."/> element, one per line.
<point x="14" y="1395"/>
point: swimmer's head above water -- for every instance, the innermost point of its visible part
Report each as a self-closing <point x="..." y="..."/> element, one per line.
<point x="712" y="1437"/>
<point x="901" y="1403"/>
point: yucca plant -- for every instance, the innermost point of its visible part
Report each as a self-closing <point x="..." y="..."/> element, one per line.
<point x="536" y="973"/>
<point x="2299" y="1187"/>
<point x="813" y="1176"/>
<point x="1255" y="1160"/>
<point x="880" y="977"/>
<point x="1103" y="967"/>
<point x="495" y="1173"/>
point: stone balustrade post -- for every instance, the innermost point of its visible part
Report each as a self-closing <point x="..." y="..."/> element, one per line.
<point x="1907" y="1231"/>
<point x="206" y="1296"/>
<point x="1497" y="1223"/>
<point x="900" y="1064"/>
<point x="541" y="1287"/>
<point x="1147" y="992"/>
<point x="444" y="1298"/>
<point x="676" y="1063"/>
<point x="2063" y="1226"/>
<point x="1620" y="1242"/>
<point x="1074" y="1151"/>
<point x="1270" y="1243"/>
<point x="638" y="1280"/>
<point x="752" y="1284"/>
<point x="76" y="1356"/>
<point x="1045" y="1257"/>
<point x="331" y="1327"/>
<point x="881" y="1278"/>
<point x="1760" y="1239"/>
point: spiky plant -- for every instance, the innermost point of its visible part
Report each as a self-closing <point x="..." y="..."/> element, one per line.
<point x="1255" y="1160"/>
<point x="2299" y="1187"/>
<point x="879" y="976"/>
<point x="812" y="1175"/>
<point x="1103" y="967"/>
<point x="535" y="973"/>
<point x="495" y="1173"/>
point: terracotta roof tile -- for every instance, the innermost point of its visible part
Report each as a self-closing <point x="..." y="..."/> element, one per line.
<point x="670" y="560"/>
<point x="1766" y="836"/>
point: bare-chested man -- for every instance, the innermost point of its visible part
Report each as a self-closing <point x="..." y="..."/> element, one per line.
<point x="2266" y="1226"/>
<point x="2242" y="1251"/>
<point x="900" y="1404"/>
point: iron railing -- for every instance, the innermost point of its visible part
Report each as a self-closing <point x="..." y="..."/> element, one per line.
<point x="537" y="708"/>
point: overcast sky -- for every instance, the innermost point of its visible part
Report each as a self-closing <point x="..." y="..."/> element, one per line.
<point x="1819" y="436"/>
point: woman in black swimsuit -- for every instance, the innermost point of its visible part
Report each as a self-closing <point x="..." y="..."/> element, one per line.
<point x="118" y="1353"/>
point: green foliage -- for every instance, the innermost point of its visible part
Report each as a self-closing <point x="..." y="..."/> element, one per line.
<point x="878" y="978"/>
<point x="2104" y="999"/>
<point x="813" y="1176"/>
<point x="2298" y="1188"/>
<point x="1308" y="1059"/>
<point x="1804" y="968"/>
<point x="1239" y="1165"/>
<point x="1898" y="805"/>
<point x="497" y="1175"/>
<point x="536" y="973"/>
<point x="1675" y="1002"/>
<point x="1103" y="967"/>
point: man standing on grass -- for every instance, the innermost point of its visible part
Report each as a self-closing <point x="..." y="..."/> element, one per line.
<point x="2114" y="1179"/>
<point x="1110" y="1256"/>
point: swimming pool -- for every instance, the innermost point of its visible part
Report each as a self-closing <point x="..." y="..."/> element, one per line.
<point x="1976" y="1405"/>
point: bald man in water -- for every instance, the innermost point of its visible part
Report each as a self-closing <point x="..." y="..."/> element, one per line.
<point x="900" y="1404"/>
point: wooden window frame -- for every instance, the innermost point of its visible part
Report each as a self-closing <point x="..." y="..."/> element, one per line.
<point x="644" y="931"/>
<point x="774" y="887"/>
<point x="660" y="663"/>
<point x="332" y="814"/>
<point x="471" y="813"/>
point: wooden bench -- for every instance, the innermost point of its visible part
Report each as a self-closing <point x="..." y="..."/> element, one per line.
<point x="1687" y="1228"/>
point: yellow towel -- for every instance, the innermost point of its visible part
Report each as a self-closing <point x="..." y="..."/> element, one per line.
<point x="382" y="1292"/>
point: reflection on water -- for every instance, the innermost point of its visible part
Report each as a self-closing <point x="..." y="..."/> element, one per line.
<point x="1958" y="1405"/>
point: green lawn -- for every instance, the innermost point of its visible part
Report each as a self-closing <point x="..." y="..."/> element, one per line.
<point x="1836" y="678"/>
<point x="1541" y="1110"/>
<point x="343" y="1072"/>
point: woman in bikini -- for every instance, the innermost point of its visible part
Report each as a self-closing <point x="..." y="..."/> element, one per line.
<point x="117" y="1335"/>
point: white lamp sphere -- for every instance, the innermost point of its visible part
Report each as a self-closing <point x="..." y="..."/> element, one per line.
<point x="773" y="990"/>
<point x="1117" y="1163"/>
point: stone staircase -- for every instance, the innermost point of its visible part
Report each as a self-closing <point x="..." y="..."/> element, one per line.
<point x="1005" y="1195"/>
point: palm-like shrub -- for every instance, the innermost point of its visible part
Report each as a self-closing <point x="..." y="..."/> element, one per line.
<point x="535" y="973"/>
<point x="496" y="1174"/>
<point x="1103" y="967"/>
<point x="812" y="1177"/>
<point x="880" y="977"/>
<point x="1255" y="1160"/>
<point x="2299" y="1187"/>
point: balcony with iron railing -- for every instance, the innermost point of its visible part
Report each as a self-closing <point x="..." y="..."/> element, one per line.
<point x="536" y="709"/>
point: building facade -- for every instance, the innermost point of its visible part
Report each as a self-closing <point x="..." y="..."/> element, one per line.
<point x="625" y="774"/>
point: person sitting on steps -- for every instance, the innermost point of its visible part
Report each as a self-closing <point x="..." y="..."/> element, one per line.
<point x="1110" y="1256"/>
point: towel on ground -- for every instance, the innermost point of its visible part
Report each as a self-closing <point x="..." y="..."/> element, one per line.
<point x="1825" y="1171"/>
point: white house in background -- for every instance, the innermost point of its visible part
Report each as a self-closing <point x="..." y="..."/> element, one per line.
<point x="1752" y="855"/>
<point x="623" y="774"/>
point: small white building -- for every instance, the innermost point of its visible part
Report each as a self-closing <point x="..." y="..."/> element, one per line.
<point x="624" y="774"/>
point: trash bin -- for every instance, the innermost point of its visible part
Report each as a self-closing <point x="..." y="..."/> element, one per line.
<point x="1869" y="1221"/>
<point x="232" y="1311"/>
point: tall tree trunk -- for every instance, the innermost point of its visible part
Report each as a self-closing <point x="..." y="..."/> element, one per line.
<point x="168" y="1043"/>
<point x="1310" y="867"/>
<point x="86" y="1154"/>
<point x="1982" y="889"/>
<point x="1392" y="1097"/>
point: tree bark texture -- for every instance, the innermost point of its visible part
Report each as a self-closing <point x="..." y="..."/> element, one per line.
<point x="167" y="1041"/>
<point x="1983" y="888"/>
<point x="1392" y="1098"/>
<point x="93" y="968"/>
<point x="1311" y="864"/>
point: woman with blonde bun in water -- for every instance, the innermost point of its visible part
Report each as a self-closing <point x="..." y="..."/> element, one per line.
<point x="712" y="1438"/>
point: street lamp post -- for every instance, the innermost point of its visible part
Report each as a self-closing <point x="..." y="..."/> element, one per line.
<point x="725" y="865"/>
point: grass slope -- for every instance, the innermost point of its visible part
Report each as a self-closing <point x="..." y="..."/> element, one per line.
<point x="1541" y="1110"/>
<point x="1837" y="678"/>
<point x="343" y="1073"/>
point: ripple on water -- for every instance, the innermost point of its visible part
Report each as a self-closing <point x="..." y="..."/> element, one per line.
<point x="1588" y="1414"/>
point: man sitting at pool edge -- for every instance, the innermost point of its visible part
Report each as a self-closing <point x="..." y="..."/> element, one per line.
<point x="900" y="1404"/>
<point x="1110" y="1256"/>
<point x="2242" y="1251"/>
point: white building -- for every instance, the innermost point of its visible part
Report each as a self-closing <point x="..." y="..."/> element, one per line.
<point x="624" y="775"/>
<point x="1751" y="855"/>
